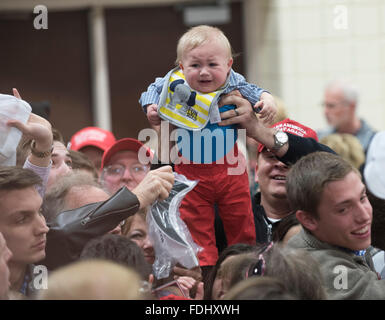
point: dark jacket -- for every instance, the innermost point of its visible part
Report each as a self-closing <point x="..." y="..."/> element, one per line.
<point x="264" y="228"/>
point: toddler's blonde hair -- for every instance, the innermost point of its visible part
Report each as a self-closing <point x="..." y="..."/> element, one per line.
<point x="199" y="35"/>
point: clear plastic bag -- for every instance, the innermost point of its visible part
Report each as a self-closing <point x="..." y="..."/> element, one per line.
<point x="11" y="108"/>
<point x="170" y="236"/>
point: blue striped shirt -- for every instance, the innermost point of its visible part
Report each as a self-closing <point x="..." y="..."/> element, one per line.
<point x="236" y="82"/>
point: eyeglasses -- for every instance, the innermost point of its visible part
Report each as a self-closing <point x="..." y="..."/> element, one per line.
<point x="329" y="105"/>
<point x="115" y="172"/>
<point x="258" y="268"/>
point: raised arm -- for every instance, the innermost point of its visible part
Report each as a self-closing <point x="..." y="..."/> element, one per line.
<point x="247" y="119"/>
<point x="39" y="131"/>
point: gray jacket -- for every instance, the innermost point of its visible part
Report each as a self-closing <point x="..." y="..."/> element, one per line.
<point x="345" y="275"/>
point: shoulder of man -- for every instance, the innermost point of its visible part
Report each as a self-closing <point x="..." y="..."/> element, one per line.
<point x="365" y="134"/>
<point x="324" y="132"/>
<point x="345" y="275"/>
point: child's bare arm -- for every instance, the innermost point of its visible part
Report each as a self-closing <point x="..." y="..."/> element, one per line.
<point x="262" y="100"/>
<point x="267" y="108"/>
<point x="152" y="115"/>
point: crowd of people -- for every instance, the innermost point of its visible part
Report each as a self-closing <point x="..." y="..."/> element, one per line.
<point x="307" y="226"/>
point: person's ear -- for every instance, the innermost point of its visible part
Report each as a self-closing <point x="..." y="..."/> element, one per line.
<point x="256" y="173"/>
<point x="353" y="106"/>
<point x="181" y="65"/>
<point x="307" y="220"/>
<point x="230" y="63"/>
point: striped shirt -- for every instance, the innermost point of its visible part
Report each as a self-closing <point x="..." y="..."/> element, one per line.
<point x="236" y="82"/>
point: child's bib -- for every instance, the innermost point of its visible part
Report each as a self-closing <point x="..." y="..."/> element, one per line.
<point x="184" y="107"/>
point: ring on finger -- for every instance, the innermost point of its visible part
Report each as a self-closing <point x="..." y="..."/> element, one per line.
<point x="236" y="112"/>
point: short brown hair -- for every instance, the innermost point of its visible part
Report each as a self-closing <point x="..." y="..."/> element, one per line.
<point x="297" y="270"/>
<point x="81" y="162"/>
<point x="15" y="178"/>
<point x="308" y="177"/>
<point x="258" y="288"/>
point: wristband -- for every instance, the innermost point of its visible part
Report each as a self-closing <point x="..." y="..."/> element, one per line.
<point x="40" y="154"/>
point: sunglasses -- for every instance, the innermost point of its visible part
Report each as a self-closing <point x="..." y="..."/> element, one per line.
<point x="258" y="268"/>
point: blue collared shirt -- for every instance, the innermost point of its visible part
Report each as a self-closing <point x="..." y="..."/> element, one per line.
<point x="359" y="253"/>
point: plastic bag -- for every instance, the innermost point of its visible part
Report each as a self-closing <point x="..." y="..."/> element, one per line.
<point x="170" y="236"/>
<point x="11" y="108"/>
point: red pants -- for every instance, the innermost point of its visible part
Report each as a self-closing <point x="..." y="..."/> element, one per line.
<point x="232" y="196"/>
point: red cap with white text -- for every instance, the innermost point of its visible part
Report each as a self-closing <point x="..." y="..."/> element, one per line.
<point x="92" y="136"/>
<point x="293" y="127"/>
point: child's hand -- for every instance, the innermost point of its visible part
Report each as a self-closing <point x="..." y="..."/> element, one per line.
<point x="152" y="114"/>
<point x="268" y="108"/>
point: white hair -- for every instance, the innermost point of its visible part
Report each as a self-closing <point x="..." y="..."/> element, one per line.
<point x="349" y="90"/>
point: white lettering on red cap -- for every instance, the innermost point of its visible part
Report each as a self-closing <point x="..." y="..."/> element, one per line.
<point x="91" y="134"/>
<point x="291" y="128"/>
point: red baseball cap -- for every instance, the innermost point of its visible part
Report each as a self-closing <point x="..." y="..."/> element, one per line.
<point x="125" y="144"/>
<point x="292" y="127"/>
<point x="92" y="136"/>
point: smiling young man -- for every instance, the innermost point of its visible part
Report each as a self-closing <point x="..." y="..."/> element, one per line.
<point x="330" y="202"/>
<point x="22" y="224"/>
